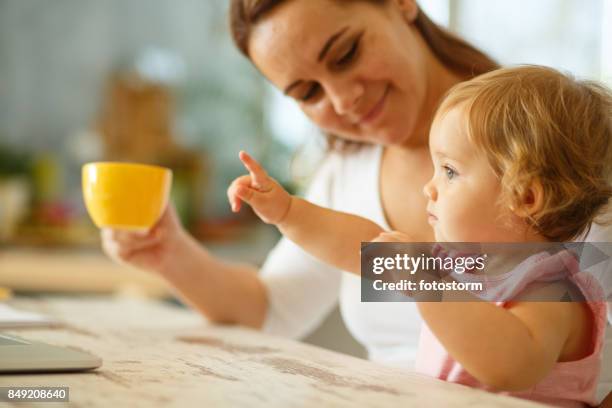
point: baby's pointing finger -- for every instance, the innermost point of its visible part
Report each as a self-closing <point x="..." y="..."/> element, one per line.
<point x="258" y="174"/>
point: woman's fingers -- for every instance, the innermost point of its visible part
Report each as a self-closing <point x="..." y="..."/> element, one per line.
<point x="259" y="177"/>
<point x="122" y="242"/>
<point x="135" y="240"/>
<point x="124" y="237"/>
<point x="167" y="218"/>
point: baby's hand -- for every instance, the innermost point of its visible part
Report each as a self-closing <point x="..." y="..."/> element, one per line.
<point x="268" y="199"/>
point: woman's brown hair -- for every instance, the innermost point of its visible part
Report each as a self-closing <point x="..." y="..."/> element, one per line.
<point x="452" y="51"/>
<point x="455" y="53"/>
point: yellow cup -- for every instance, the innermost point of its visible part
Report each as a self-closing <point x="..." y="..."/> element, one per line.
<point x="125" y="195"/>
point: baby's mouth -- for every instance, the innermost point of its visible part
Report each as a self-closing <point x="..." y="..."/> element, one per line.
<point x="431" y="217"/>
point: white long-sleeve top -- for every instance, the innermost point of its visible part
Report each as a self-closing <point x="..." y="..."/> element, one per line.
<point x="302" y="290"/>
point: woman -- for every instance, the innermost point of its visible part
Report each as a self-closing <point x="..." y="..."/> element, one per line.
<point x="368" y="72"/>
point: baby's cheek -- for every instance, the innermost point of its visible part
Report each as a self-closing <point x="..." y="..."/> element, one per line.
<point x="464" y="224"/>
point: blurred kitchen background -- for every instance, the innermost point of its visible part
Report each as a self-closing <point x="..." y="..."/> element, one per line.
<point x="159" y="81"/>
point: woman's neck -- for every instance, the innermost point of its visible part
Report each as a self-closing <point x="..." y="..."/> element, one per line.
<point x="439" y="80"/>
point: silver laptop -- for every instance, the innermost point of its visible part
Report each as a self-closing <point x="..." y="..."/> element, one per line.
<point x="19" y="355"/>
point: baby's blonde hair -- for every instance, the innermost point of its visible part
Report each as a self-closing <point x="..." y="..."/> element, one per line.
<point x="537" y="125"/>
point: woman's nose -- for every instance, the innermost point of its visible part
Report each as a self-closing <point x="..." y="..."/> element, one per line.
<point x="430" y="191"/>
<point x="345" y="97"/>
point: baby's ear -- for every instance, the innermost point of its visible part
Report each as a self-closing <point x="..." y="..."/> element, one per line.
<point x="533" y="201"/>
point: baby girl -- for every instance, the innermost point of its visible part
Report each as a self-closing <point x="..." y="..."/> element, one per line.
<point x="520" y="155"/>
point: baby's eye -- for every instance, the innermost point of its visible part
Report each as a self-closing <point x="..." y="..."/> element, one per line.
<point x="450" y="172"/>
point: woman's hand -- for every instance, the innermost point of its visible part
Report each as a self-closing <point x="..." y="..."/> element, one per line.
<point x="223" y="292"/>
<point x="268" y="199"/>
<point x="155" y="250"/>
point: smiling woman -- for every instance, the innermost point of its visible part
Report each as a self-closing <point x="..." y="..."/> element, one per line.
<point x="342" y="41"/>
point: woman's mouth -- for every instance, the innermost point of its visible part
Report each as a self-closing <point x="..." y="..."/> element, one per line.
<point x="376" y="111"/>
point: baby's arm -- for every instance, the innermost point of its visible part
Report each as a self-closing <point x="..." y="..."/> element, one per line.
<point x="332" y="236"/>
<point x="510" y="348"/>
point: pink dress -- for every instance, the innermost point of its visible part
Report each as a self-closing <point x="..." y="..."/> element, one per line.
<point x="569" y="384"/>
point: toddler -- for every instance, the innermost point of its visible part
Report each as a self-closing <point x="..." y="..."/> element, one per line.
<point x="520" y="155"/>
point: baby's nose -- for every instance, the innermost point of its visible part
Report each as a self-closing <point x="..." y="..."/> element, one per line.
<point x="430" y="191"/>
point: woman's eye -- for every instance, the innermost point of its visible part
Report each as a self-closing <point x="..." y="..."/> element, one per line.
<point x="350" y="54"/>
<point x="450" y="172"/>
<point x="312" y="91"/>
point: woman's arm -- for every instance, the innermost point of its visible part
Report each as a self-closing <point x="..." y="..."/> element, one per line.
<point x="332" y="236"/>
<point x="223" y="292"/>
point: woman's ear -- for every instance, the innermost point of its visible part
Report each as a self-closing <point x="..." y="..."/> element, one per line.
<point x="532" y="202"/>
<point x="408" y="8"/>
